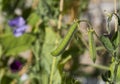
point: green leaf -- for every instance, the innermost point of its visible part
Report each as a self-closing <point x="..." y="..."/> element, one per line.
<point x="112" y="66"/>
<point x="47" y="58"/>
<point x="33" y="19"/>
<point x="107" y="43"/>
<point x="6" y="80"/>
<point x="13" y="45"/>
<point x="116" y="39"/>
<point x="108" y="74"/>
<point x="104" y="78"/>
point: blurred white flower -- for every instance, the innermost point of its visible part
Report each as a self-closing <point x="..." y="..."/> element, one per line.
<point x="24" y="77"/>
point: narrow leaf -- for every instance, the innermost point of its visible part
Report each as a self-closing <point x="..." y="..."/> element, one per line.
<point x="116" y="39"/>
<point x="107" y="43"/>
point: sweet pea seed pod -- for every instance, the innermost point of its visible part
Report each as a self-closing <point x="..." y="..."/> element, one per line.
<point x="65" y="41"/>
<point x="92" y="47"/>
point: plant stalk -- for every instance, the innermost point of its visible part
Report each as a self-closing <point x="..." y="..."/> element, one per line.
<point x="115" y="73"/>
<point x="52" y="70"/>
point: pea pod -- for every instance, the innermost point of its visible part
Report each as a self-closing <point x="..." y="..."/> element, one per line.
<point x="92" y="47"/>
<point x="65" y="41"/>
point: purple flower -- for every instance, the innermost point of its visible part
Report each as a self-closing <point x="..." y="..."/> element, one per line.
<point x="17" y="22"/>
<point x="16" y="66"/>
<point x="18" y="25"/>
<point x="20" y="30"/>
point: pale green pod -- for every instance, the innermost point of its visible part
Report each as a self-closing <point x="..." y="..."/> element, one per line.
<point x="92" y="46"/>
<point x="66" y="40"/>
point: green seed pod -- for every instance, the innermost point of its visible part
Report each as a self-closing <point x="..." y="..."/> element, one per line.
<point x="65" y="41"/>
<point x="92" y="47"/>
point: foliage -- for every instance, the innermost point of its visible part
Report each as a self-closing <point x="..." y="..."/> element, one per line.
<point x="51" y="48"/>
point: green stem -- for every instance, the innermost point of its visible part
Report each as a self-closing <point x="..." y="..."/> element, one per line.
<point x="116" y="56"/>
<point x="89" y="26"/>
<point x="65" y="60"/>
<point x="36" y="52"/>
<point x="86" y="21"/>
<point x="99" y="66"/>
<point x="52" y="70"/>
<point x="115" y="73"/>
<point x="37" y="63"/>
<point x="2" y="72"/>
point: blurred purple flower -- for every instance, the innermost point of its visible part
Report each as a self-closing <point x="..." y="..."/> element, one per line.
<point x="18" y="25"/>
<point x="16" y="66"/>
<point x="17" y="22"/>
<point x="20" y="30"/>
